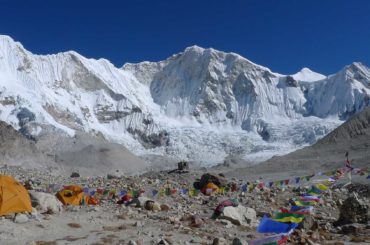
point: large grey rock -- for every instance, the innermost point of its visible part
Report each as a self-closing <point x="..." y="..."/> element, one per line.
<point x="309" y="223"/>
<point x="148" y="204"/>
<point x="132" y="242"/>
<point x="240" y="215"/>
<point x="21" y="218"/>
<point x="45" y="202"/>
<point x="352" y="211"/>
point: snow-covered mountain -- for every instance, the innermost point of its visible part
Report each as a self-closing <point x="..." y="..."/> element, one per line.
<point x="201" y="104"/>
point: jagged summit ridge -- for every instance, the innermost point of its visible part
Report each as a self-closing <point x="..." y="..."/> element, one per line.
<point x="201" y="104"/>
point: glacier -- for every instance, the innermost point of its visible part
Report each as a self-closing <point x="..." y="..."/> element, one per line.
<point x="200" y="105"/>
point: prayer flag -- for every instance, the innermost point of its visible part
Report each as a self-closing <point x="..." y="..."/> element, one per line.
<point x="122" y="193"/>
<point x="288" y="217"/>
<point x="308" y="198"/>
<point x="268" y="225"/>
<point x="304" y="204"/>
<point x="322" y="187"/>
<point x="301" y="210"/>
<point x="271" y="240"/>
<point x="314" y="190"/>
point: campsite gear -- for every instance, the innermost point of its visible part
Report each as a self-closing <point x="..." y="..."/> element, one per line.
<point x="223" y="204"/>
<point x="209" y="189"/>
<point x="73" y="195"/>
<point x="233" y="187"/>
<point x="92" y="201"/>
<point x="14" y="198"/>
<point x="215" y="179"/>
<point x="125" y="199"/>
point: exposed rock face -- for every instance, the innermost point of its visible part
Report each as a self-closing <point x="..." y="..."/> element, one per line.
<point x="291" y="82"/>
<point x="352" y="211"/>
<point x="152" y="140"/>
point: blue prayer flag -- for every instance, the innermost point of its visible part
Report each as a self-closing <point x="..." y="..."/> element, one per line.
<point x="268" y="225"/>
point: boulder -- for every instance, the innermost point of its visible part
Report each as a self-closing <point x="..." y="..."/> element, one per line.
<point x="141" y="201"/>
<point x="219" y="241"/>
<point x="148" y="204"/>
<point x="240" y="215"/>
<point x="163" y="242"/>
<point x="156" y="207"/>
<point x="20" y="218"/>
<point x="352" y="229"/>
<point x="75" y="175"/>
<point x="45" y="202"/>
<point x="165" y="207"/>
<point x="132" y="242"/>
<point x="237" y="241"/>
<point x="353" y="210"/>
<point x="196" y="221"/>
<point x="309" y="223"/>
<point x="115" y="174"/>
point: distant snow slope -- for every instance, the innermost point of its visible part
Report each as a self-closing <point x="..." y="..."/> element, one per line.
<point x="200" y="105"/>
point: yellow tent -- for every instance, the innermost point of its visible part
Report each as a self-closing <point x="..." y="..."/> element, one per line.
<point x="73" y="195"/>
<point x="14" y="198"/>
<point x="212" y="186"/>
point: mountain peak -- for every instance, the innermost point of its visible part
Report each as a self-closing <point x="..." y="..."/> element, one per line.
<point x="307" y="75"/>
<point x="194" y="48"/>
<point x="356" y="66"/>
<point x="8" y="41"/>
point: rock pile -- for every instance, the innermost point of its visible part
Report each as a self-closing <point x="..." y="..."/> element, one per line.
<point x="353" y="210"/>
<point x="185" y="219"/>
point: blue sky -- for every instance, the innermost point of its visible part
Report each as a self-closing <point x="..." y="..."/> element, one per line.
<point x="284" y="35"/>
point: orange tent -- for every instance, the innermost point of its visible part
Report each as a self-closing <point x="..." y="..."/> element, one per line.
<point x="14" y="198"/>
<point x="73" y="195"/>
